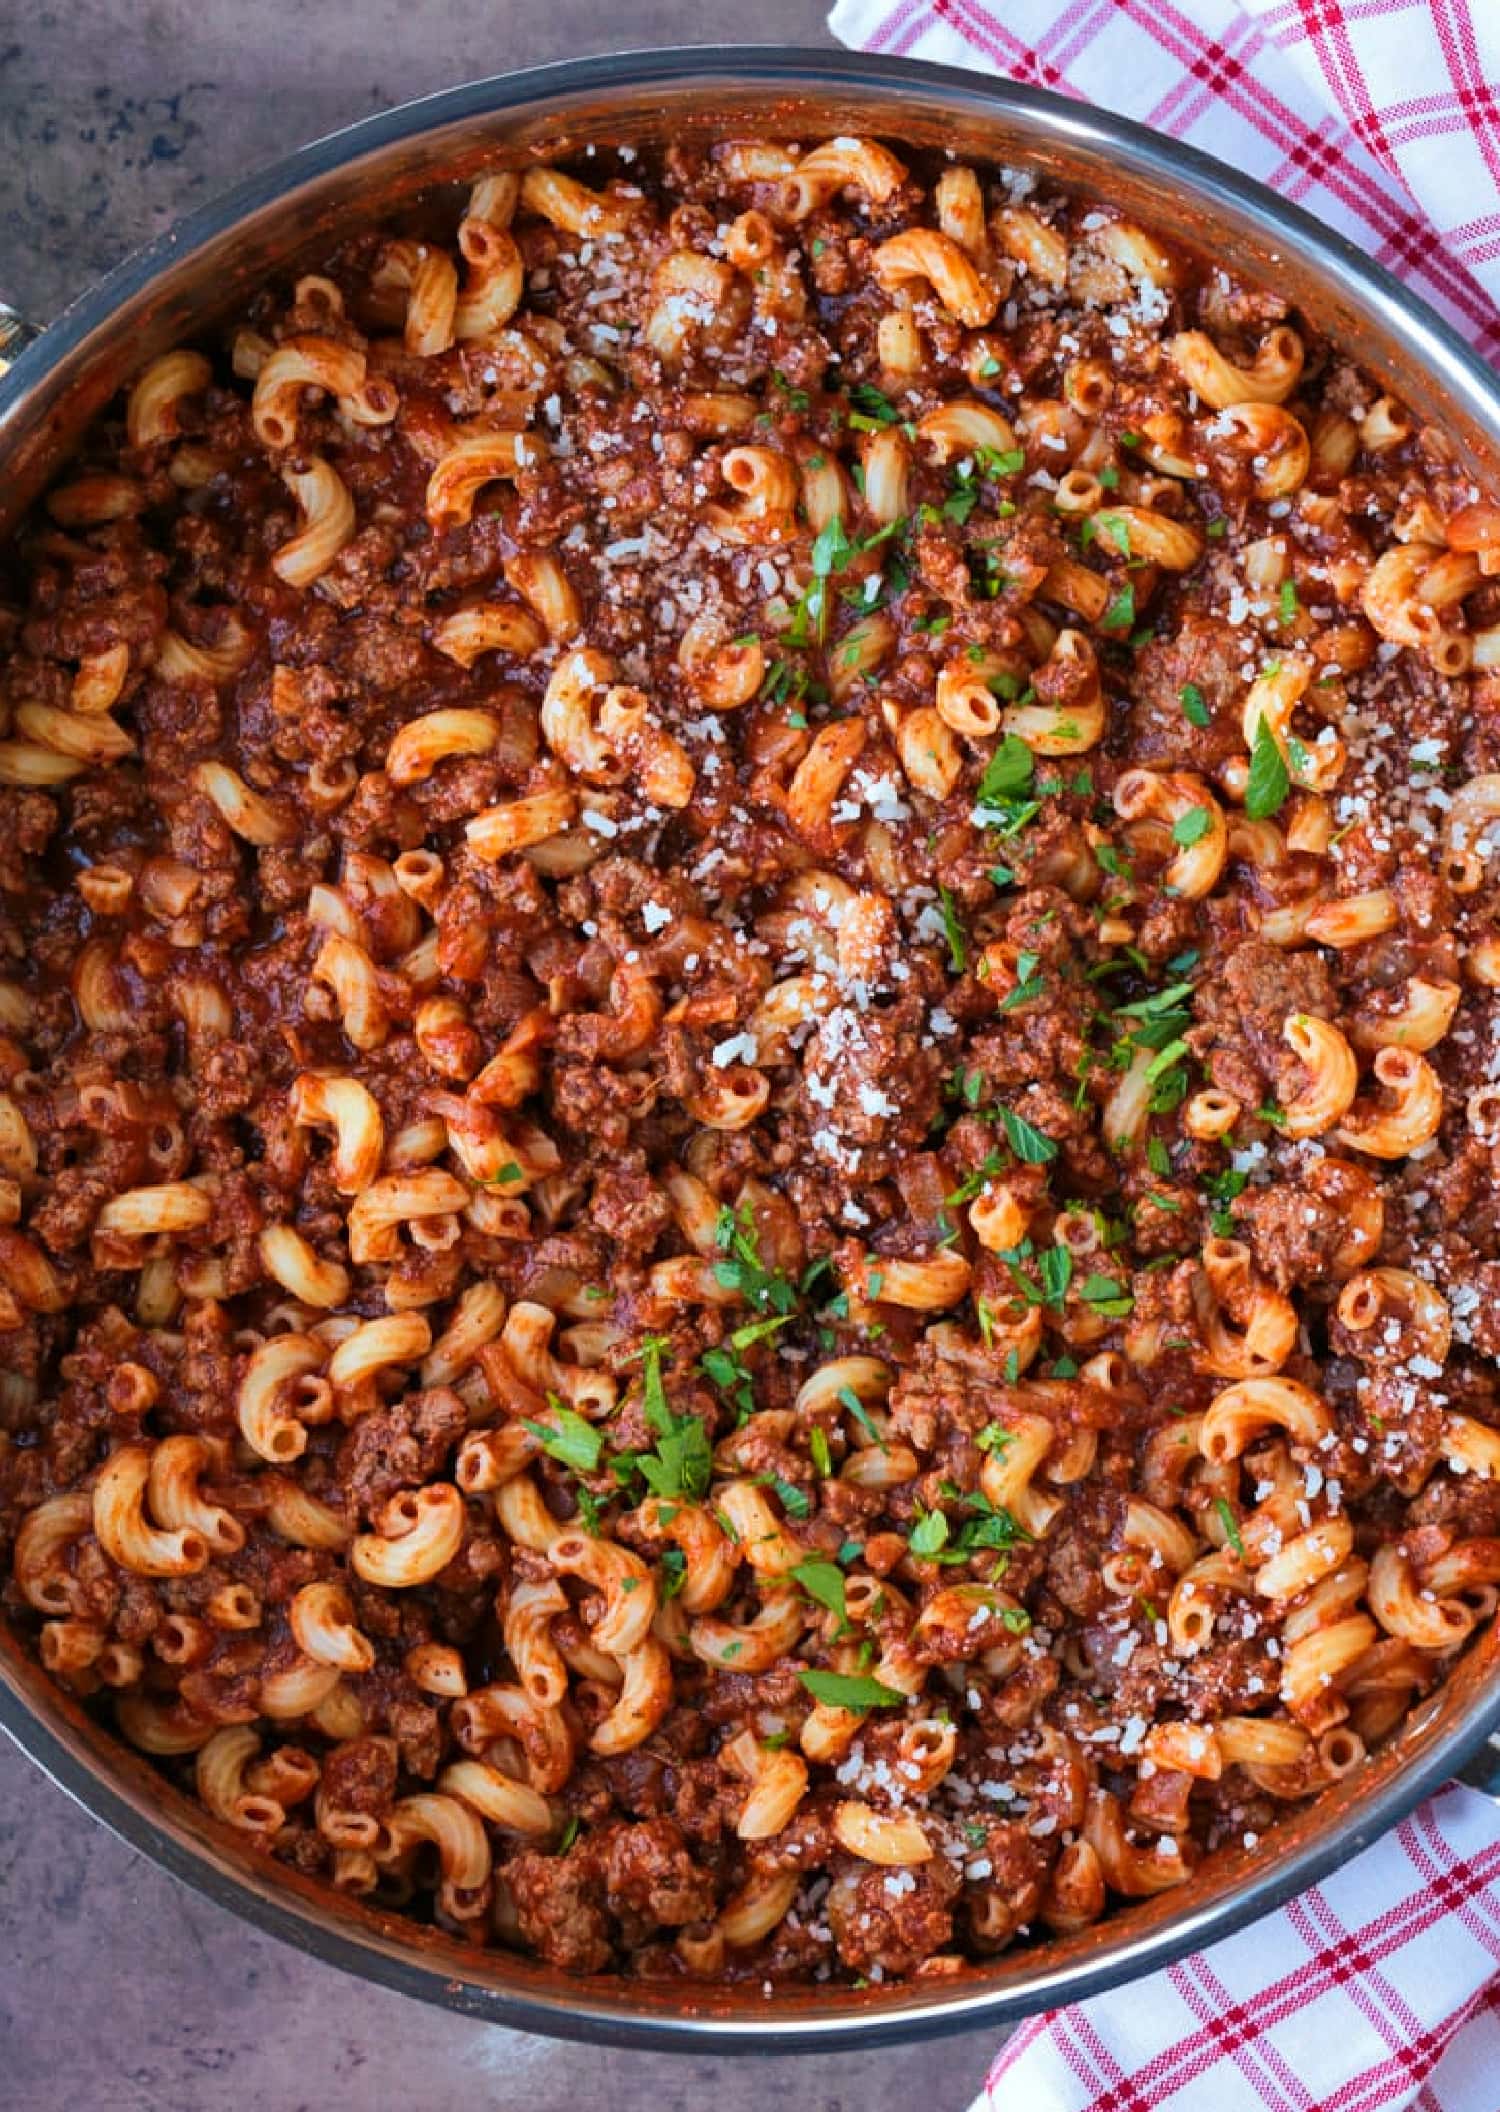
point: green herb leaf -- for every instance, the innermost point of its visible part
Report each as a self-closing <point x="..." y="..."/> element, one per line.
<point x="1116" y="528"/>
<point x="1194" y="710"/>
<point x="1007" y="774"/>
<point x="958" y="953"/>
<point x="1165" y="1059"/>
<point x="974" y="1183"/>
<point x="743" y="1270"/>
<point x="1268" y="784"/>
<point x="843" y="1690"/>
<point x="572" y="1441"/>
<point x="1231" y="1526"/>
<point x="1055" y="1266"/>
<point x="1029" y="1144"/>
<point x="849" y="1399"/>
<point x="795" y="1502"/>
<point x="1107" y="1295"/>
<point x="929" y="1535"/>
<point x="823" y="1581"/>
<point x="682" y="1464"/>
<point x="870" y="403"/>
<point x="1191" y="827"/>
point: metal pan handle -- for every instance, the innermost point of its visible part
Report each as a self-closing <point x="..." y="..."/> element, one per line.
<point x="15" y="334"/>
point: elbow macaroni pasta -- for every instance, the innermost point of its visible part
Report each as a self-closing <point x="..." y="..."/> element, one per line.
<point x="760" y="1029"/>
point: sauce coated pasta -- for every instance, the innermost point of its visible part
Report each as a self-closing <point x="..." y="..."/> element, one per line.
<point x="749" y="1082"/>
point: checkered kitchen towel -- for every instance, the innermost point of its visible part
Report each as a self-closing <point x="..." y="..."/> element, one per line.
<point x="1380" y="117"/>
<point x="1379" y="1989"/>
<point x="1376" y="1991"/>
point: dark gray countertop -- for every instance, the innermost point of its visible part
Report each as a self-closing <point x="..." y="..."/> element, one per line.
<point x="120" y="1991"/>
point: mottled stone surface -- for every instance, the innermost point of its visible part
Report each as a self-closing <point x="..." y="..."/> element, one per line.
<point x="118" y="115"/>
<point x="119" y="1990"/>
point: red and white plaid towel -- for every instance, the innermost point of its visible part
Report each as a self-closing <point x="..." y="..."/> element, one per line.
<point x="1379" y="1989"/>
<point x="1380" y="117"/>
<point x="1376" y="1991"/>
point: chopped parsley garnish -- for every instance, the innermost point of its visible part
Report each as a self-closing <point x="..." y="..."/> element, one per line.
<point x="832" y="551"/>
<point x="1191" y="827"/>
<point x="1268" y="783"/>
<point x="929" y="1536"/>
<point x="1107" y="1295"/>
<point x="1157" y="1023"/>
<point x="794" y="1501"/>
<point x="1223" y="1188"/>
<point x="849" y="1399"/>
<point x="1029" y="985"/>
<point x="973" y="1183"/>
<point x="987" y="1530"/>
<point x="1003" y="793"/>
<point x="1231" y="1526"/>
<point x="743" y="1269"/>
<point x="1054" y="1272"/>
<point x="1194" y="710"/>
<point x="1115" y="528"/>
<point x="845" y="1690"/>
<point x="1030" y="1145"/>
<point x="967" y="1086"/>
<point x="570" y="1440"/>
<point x="1288" y="605"/>
<point x="1112" y="861"/>
<point x="786" y="683"/>
<point x="724" y="1366"/>
<point x="958" y="953"/>
<point x="823" y="1581"/>
<point x="872" y="408"/>
<point x="1120" y="615"/>
<point x="682" y="1463"/>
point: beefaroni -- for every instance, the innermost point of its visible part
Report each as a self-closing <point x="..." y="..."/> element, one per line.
<point x="748" y="1112"/>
